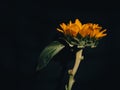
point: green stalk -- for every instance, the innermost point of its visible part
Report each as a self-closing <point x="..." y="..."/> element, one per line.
<point x="73" y="71"/>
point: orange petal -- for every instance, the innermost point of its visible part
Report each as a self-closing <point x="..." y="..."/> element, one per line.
<point x="100" y="35"/>
<point x="63" y="26"/>
<point x="77" y="22"/>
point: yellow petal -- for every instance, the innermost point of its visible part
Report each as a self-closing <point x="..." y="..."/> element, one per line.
<point x="94" y="33"/>
<point x="103" y="31"/>
<point x="100" y="35"/>
<point x="77" y="22"/>
<point x="60" y="30"/>
<point x="70" y="23"/>
<point x="63" y="26"/>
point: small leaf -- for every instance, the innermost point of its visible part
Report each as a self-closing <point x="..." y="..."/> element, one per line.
<point x="48" y="53"/>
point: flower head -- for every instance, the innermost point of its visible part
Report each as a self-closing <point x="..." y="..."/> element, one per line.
<point x="80" y="34"/>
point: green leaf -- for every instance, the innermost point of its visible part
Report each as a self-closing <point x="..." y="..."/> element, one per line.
<point x="48" y="53"/>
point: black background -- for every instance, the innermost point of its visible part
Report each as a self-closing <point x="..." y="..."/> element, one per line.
<point x="27" y="26"/>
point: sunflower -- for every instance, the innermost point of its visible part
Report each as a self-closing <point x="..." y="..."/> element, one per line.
<point x="85" y="30"/>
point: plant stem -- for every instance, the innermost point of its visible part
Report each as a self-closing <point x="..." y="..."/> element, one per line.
<point x="73" y="71"/>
